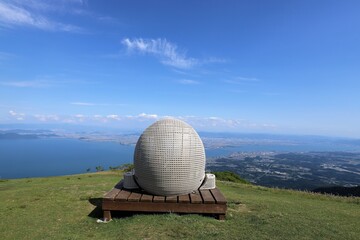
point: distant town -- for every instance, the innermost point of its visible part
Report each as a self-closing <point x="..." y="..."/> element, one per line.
<point x="302" y="170"/>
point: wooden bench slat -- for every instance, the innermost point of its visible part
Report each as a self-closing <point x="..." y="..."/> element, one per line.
<point x="207" y="196"/>
<point x="122" y="196"/>
<point x="159" y="199"/>
<point x="172" y="199"/>
<point x="195" y="197"/>
<point x="165" y="207"/>
<point x="203" y="202"/>
<point x="134" y="197"/>
<point x="219" y="197"/>
<point x="184" y="198"/>
<point x="146" y="198"/>
<point x="112" y="194"/>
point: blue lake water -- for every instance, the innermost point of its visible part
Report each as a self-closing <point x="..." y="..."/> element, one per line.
<point x="52" y="157"/>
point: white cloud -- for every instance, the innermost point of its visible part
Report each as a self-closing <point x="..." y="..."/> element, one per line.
<point x="97" y="104"/>
<point x="49" y="5"/>
<point x="27" y="13"/>
<point x="113" y="117"/>
<point x="12" y="113"/>
<point x="143" y="119"/>
<point x="16" y="115"/>
<point x="148" y="116"/>
<point x="168" y="52"/>
<point x="79" y="118"/>
<point x="188" y="82"/>
<point x="83" y="103"/>
<point x="143" y="116"/>
<point x="47" y="118"/>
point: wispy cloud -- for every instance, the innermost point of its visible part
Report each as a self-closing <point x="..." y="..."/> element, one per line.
<point x="188" y="82"/>
<point x="220" y="123"/>
<point x="167" y="52"/>
<point x="214" y="60"/>
<point x="32" y="14"/>
<point x="83" y="103"/>
<point x="47" y="118"/>
<point x="96" y="104"/>
<point x="16" y="115"/>
<point x="45" y="82"/>
<point x="143" y="116"/>
<point x="242" y="80"/>
<point x="28" y="84"/>
<point x="5" y="56"/>
<point x="247" y="79"/>
<point x="113" y="117"/>
<point x="143" y="119"/>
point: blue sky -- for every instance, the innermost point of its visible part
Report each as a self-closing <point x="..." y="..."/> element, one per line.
<point x="289" y="67"/>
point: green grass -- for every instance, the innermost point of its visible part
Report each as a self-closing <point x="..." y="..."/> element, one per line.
<point x="229" y="177"/>
<point x="58" y="208"/>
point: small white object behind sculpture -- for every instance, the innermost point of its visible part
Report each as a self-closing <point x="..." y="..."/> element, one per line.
<point x="209" y="182"/>
<point x="129" y="181"/>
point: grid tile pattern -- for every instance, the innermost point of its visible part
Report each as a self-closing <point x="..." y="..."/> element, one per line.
<point x="169" y="158"/>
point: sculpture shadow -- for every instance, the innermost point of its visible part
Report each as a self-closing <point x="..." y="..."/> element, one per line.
<point x="97" y="202"/>
<point x="97" y="211"/>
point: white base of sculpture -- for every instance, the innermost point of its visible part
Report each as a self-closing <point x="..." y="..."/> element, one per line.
<point x="209" y="182"/>
<point x="129" y="181"/>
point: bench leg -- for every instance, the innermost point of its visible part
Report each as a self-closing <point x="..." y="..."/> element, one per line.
<point x="107" y="215"/>
<point x="221" y="217"/>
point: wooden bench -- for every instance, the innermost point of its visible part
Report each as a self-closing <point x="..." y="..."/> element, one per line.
<point x="200" y="202"/>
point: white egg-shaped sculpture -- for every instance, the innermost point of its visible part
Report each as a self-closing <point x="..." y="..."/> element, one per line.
<point x="169" y="158"/>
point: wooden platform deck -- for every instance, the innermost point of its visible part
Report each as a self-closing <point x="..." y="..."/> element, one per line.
<point x="200" y="202"/>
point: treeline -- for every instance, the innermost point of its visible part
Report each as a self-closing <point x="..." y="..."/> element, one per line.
<point x="340" y="191"/>
<point x="127" y="167"/>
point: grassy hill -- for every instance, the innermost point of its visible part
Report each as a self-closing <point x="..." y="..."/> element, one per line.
<point x="64" y="208"/>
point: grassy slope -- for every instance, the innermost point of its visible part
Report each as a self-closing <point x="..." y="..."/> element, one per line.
<point x="58" y="208"/>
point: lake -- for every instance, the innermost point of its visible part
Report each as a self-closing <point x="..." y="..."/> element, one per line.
<point x="53" y="157"/>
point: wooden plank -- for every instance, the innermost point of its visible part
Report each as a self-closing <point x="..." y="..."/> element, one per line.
<point x="165" y="207"/>
<point x="184" y="198"/>
<point x="195" y="197"/>
<point x="219" y="198"/>
<point x="122" y="196"/>
<point x="146" y="198"/>
<point x="207" y="197"/>
<point x="171" y="199"/>
<point x="159" y="199"/>
<point x="134" y="197"/>
<point x="200" y="202"/>
<point x="112" y="194"/>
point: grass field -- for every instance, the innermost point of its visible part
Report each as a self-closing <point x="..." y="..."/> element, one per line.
<point x="64" y="208"/>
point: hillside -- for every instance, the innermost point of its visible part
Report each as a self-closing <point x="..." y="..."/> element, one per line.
<point x="64" y="208"/>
